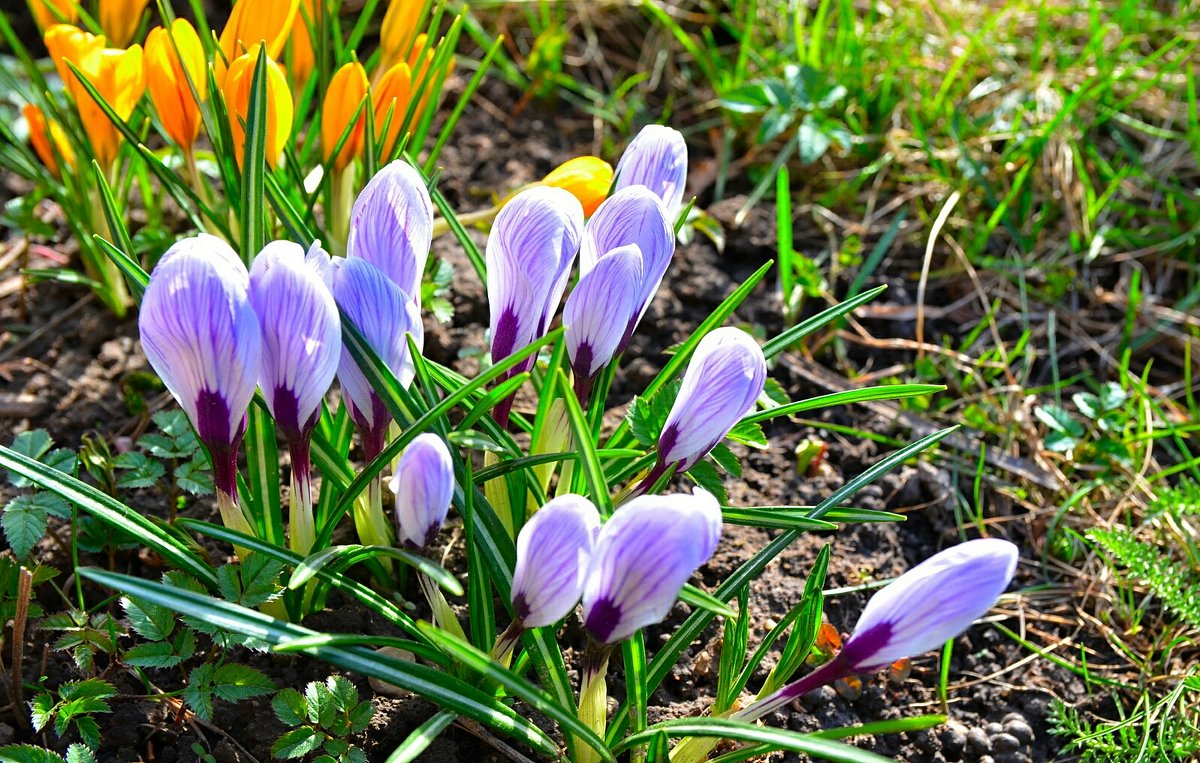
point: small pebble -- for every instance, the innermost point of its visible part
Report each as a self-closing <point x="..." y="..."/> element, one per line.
<point x="954" y="738"/>
<point x="1020" y="729"/>
<point x="1012" y="757"/>
<point x="1003" y="742"/>
<point x="993" y="728"/>
<point x="977" y="741"/>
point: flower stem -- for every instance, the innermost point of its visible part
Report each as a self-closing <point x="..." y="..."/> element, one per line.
<point x="302" y="529"/>
<point x="593" y="698"/>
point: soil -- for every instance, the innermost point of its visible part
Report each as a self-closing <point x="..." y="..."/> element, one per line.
<point x="67" y="361"/>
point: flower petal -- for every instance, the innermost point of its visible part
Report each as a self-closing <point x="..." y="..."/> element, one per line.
<point x="553" y="551"/>
<point x="656" y="158"/>
<point x="595" y="311"/>
<point x="391" y="225"/>
<point x="424" y="486"/>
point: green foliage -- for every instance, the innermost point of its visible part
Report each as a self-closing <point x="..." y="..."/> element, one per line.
<point x="324" y="716"/>
<point x="73" y="705"/>
<point x="26" y="518"/>
<point x="1176" y="585"/>
<point x="1151" y="731"/>
<point x="1096" y="435"/>
<point x="27" y="753"/>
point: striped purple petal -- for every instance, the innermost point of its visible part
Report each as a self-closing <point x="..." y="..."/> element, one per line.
<point x="529" y="255"/>
<point x="592" y="314"/>
<point x="723" y="380"/>
<point x="656" y="158"/>
<point x="645" y="553"/>
<point x="201" y="336"/>
<point x="424" y="486"/>
<point x="302" y="335"/>
<point x="391" y="225"/>
<point x="384" y="315"/>
<point x="554" y="549"/>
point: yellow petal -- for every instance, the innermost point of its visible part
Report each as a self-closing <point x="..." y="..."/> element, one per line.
<point x="587" y="178"/>
<point x="120" y="18"/>
<point x="398" y="34"/>
<point x="390" y="103"/>
<point x="346" y="92"/>
<point x="236" y="89"/>
<point x="44" y="12"/>
<point x="167" y="78"/>
<point x="47" y="138"/>
<point x="256" y="21"/>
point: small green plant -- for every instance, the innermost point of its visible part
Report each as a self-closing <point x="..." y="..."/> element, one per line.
<point x="74" y="705"/>
<point x="27" y="753"/>
<point x="26" y="518"/>
<point x="1095" y="435"/>
<point x="324" y="716"/>
<point x="1162" y="731"/>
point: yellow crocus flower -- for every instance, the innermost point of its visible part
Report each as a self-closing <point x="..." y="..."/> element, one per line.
<point x="392" y="94"/>
<point x="398" y="33"/>
<point x="301" y="59"/>
<point x="65" y="42"/>
<point x="120" y="18"/>
<point x="48" y="137"/>
<point x="167" y="77"/>
<point x="346" y="92"/>
<point x="587" y="178"/>
<point x="44" y="12"/>
<point x="256" y="21"/>
<point x="236" y="89"/>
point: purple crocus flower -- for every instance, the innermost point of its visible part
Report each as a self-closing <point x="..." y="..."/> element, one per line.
<point x="202" y="338"/>
<point x="919" y="611"/>
<point x="644" y="554"/>
<point x="554" y="549"/>
<point x="633" y="215"/>
<point x="592" y="315"/>
<point x="384" y="314"/>
<point x="657" y="158"/>
<point x="724" y="378"/>
<point x="529" y="254"/>
<point x="424" y="486"/>
<point x="302" y="336"/>
<point x="391" y="225"/>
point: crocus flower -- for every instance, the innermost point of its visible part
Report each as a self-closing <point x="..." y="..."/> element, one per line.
<point x="424" y="486"/>
<point x="919" y="611"/>
<point x="554" y="549"/>
<point x="398" y="32"/>
<point x="49" y="141"/>
<point x="391" y="226"/>
<point x="384" y="314"/>
<point x="120" y="18"/>
<point x="301" y="59"/>
<point x="65" y="42"/>
<point x="202" y="338"/>
<point x="302" y="336"/>
<point x="633" y="215"/>
<point x="173" y="60"/>
<point x="644" y="554"/>
<point x="595" y="311"/>
<point x="588" y="179"/>
<point x="343" y="99"/>
<point x="47" y="13"/>
<point x="724" y="378"/>
<point x="236" y="88"/>
<point x="656" y="158"/>
<point x="389" y="100"/>
<point x="254" y="22"/>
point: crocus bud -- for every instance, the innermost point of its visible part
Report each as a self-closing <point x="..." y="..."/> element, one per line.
<point x="398" y="32"/>
<point x="236" y="88"/>
<point x="644" y="554"/>
<point x="173" y="60"/>
<point x="587" y="178"/>
<point x="346" y="93"/>
<point x="389" y="100"/>
<point x="931" y="603"/>
<point x="595" y="311"/>
<point x="65" y="42"/>
<point x="47" y="13"/>
<point x="49" y="141"/>
<point x="384" y="315"/>
<point x="554" y="549"/>
<point x="201" y="336"/>
<point x="633" y="215"/>
<point x="529" y="256"/>
<point x="254" y="22"/>
<point x="424" y="487"/>
<point x="657" y="159"/>
<point x="724" y="378"/>
<point x="119" y="19"/>
<point x="391" y="226"/>
<point x="301" y="59"/>
<point x="302" y="336"/>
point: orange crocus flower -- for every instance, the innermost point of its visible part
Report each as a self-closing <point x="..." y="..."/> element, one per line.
<point x="120" y="18"/>
<point x="346" y="92"/>
<point x="392" y="94"/>
<point x="398" y="33"/>
<point x="172" y="60"/>
<point x="280" y="112"/>
<point x="588" y="178"/>
<point x="44" y="12"/>
<point x="65" y="42"/>
<point x="48" y="138"/>
<point x="252" y="22"/>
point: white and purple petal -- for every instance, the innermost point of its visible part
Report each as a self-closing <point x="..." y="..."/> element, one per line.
<point x="384" y="315"/>
<point x="529" y="254"/>
<point x="644" y="554"/>
<point x="424" y="486"/>
<point x="554" y="549"/>
<point x="931" y="603"/>
<point x="723" y="380"/>
<point x="656" y="158"/>
<point x="302" y="335"/>
<point x="201" y="335"/>
<point x="632" y="215"/>
<point x="391" y="225"/>
<point x="592" y="314"/>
